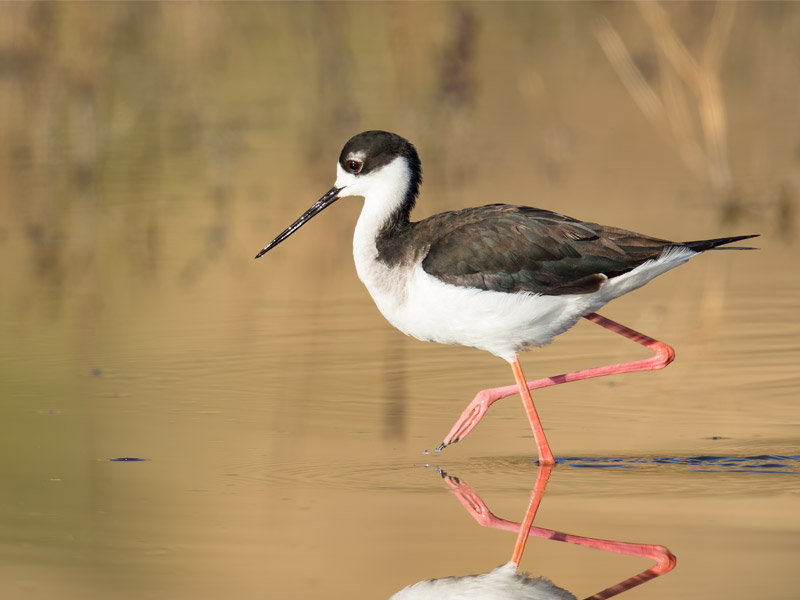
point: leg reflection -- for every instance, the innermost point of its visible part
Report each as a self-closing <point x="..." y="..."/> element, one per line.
<point x="664" y="559"/>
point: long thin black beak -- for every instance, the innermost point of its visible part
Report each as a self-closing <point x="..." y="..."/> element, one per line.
<point x="331" y="196"/>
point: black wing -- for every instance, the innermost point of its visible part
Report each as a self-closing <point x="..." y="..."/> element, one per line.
<point x="517" y="248"/>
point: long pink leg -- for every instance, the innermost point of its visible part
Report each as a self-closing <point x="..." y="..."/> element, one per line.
<point x="545" y="455"/>
<point x="472" y="415"/>
<point x="665" y="560"/>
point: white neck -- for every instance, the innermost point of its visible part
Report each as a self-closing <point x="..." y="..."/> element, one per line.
<point x="384" y="192"/>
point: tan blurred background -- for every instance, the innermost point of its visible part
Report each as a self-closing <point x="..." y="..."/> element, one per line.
<point x="149" y="150"/>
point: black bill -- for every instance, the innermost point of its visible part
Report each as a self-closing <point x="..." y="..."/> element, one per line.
<point x="331" y="196"/>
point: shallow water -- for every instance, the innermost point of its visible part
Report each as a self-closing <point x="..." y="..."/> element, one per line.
<point x="281" y="424"/>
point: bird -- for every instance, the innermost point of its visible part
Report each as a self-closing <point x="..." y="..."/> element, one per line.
<point x="501" y="278"/>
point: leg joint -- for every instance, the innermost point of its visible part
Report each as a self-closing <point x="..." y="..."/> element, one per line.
<point x="665" y="354"/>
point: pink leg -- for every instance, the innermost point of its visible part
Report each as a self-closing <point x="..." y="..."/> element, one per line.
<point x="662" y="356"/>
<point x="665" y="560"/>
<point x="545" y="455"/>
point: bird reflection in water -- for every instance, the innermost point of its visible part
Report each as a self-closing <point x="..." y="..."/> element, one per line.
<point x="506" y="582"/>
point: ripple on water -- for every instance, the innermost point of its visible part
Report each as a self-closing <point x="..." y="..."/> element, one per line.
<point x="754" y="475"/>
<point x="389" y="475"/>
<point x="763" y="463"/>
<point x="764" y="473"/>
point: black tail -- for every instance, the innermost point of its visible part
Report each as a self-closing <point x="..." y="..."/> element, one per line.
<point x="703" y="245"/>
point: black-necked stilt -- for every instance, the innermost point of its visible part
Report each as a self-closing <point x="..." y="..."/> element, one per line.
<point x="501" y="278"/>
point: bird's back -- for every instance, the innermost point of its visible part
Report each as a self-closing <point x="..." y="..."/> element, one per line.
<point x="521" y="249"/>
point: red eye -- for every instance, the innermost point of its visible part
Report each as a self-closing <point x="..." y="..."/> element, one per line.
<point x="354" y="166"/>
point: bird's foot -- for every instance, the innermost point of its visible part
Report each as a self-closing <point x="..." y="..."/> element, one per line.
<point x="469" y="418"/>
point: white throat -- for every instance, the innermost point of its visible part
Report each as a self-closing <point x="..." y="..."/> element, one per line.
<point x="384" y="191"/>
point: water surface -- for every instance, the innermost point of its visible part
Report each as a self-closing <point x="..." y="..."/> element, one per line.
<point x="149" y="151"/>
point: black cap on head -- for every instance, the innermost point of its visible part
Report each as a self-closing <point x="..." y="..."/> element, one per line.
<point x="378" y="148"/>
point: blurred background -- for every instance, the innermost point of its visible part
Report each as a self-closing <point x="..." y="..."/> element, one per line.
<point x="149" y="150"/>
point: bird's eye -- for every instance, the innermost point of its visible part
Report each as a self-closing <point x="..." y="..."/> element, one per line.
<point x="354" y="166"/>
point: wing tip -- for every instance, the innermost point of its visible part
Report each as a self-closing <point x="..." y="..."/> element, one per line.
<point x="703" y="245"/>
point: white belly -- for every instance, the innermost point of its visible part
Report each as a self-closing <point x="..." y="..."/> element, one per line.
<point x="424" y="307"/>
